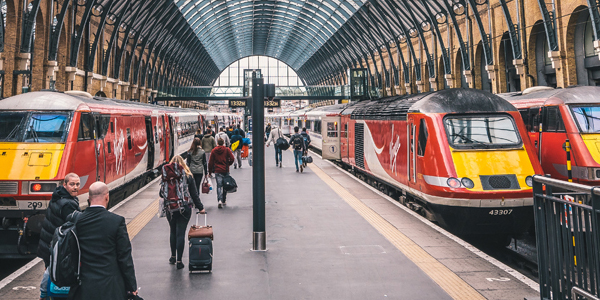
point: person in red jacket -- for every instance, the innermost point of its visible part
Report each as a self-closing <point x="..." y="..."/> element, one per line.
<point x="220" y="159"/>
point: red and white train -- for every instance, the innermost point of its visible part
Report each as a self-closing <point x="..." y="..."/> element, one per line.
<point x="46" y="135"/>
<point x="564" y="114"/>
<point x="460" y="157"/>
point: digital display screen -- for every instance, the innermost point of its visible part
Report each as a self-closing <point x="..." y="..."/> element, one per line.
<point x="273" y="103"/>
<point x="237" y="103"/>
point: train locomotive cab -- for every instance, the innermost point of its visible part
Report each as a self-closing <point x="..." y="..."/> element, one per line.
<point x="564" y="114"/>
<point x="458" y="156"/>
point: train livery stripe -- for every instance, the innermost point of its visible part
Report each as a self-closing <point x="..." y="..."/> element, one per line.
<point x="444" y="277"/>
<point x="136" y="225"/>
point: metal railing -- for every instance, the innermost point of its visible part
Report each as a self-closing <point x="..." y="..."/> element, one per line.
<point x="567" y="237"/>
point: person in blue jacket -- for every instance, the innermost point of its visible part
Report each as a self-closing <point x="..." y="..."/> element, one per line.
<point x="237" y="153"/>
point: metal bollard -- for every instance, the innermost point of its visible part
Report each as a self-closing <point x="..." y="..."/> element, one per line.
<point x="250" y="159"/>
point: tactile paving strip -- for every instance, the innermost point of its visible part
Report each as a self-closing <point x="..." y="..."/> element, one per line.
<point x="446" y="279"/>
<point x="136" y="225"/>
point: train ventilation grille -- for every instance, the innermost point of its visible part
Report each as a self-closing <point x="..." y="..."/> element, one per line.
<point x="500" y="182"/>
<point x="9" y="187"/>
<point x="359" y="144"/>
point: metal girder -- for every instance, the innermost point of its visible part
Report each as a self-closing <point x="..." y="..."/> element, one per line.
<point x="56" y="30"/>
<point x="549" y="25"/>
<point x="363" y="15"/>
<point x="373" y="19"/>
<point x="430" y="63"/>
<point x="513" y="31"/>
<point x="28" y="23"/>
<point x="432" y="20"/>
<point x="89" y="64"/>
<point x="485" y="38"/>
<point x="593" y="7"/>
<point x="464" y="49"/>
<point x="398" y="49"/>
<point x="76" y="36"/>
<point x="113" y="38"/>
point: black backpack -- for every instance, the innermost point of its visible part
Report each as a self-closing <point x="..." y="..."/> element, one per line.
<point x="229" y="184"/>
<point x="65" y="254"/>
<point x="298" y="142"/>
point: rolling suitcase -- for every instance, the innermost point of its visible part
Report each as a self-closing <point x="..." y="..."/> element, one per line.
<point x="201" y="247"/>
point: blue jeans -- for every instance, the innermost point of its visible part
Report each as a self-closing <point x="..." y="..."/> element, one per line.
<point x="278" y="155"/>
<point x="221" y="193"/>
<point x="298" y="158"/>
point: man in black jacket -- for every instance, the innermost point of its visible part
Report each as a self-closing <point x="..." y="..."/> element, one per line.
<point x="106" y="264"/>
<point x="63" y="203"/>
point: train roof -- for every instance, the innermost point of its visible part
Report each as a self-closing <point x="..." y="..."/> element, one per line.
<point x="51" y="100"/>
<point x="538" y="96"/>
<point x="445" y="101"/>
<point x="326" y="110"/>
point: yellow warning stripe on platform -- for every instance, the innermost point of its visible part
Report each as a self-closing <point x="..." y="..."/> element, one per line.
<point x="446" y="279"/>
<point x="136" y="225"/>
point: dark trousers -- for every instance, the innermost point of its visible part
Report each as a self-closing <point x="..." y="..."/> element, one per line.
<point x="178" y="223"/>
<point x="278" y="155"/>
<point x="198" y="180"/>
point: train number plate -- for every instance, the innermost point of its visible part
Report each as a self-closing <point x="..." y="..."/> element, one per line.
<point x="33" y="204"/>
<point x="500" y="212"/>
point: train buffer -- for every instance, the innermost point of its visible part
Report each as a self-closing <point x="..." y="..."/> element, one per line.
<point x="328" y="237"/>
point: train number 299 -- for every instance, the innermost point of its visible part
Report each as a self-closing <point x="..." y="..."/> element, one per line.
<point x="500" y="212"/>
<point x="34" y="205"/>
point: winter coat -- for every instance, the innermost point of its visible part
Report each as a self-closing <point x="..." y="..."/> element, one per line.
<point x="220" y="160"/>
<point x="197" y="162"/>
<point x="274" y="136"/>
<point x="268" y="129"/>
<point x="61" y="205"/>
<point x="236" y="136"/>
<point x="208" y="143"/>
<point x="225" y="138"/>
<point x="306" y="138"/>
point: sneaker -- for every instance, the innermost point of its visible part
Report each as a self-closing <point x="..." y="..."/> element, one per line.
<point x="234" y="166"/>
<point x="220" y="205"/>
<point x="224" y="203"/>
<point x="179" y="265"/>
<point x="297" y="171"/>
<point x="172" y="260"/>
<point x="280" y="164"/>
<point x="301" y="169"/>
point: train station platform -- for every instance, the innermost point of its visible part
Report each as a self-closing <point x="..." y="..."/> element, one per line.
<point x="329" y="236"/>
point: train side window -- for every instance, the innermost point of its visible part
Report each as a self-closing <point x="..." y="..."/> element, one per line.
<point x="155" y="134"/>
<point x="308" y="125"/>
<point x="345" y="132"/>
<point x="108" y="147"/>
<point x="553" y="120"/>
<point x="534" y="119"/>
<point x="86" y="127"/>
<point x="129" y="139"/>
<point x="112" y="127"/>
<point x="423" y="135"/>
<point x="525" y="117"/>
<point x="332" y="129"/>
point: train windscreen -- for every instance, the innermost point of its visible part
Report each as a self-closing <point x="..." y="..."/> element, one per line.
<point x="587" y="118"/>
<point x="482" y="131"/>
<point x="34" y="127"/>
<point x="11" y="128"/>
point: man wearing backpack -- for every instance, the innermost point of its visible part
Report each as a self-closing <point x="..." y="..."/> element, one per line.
<point x="297" y="141"/>
<point x="219" y="164"/>
<point x="106" y="264"/>
<point x="223" y="135"/>
<point x="273" y="137"/>
<point x="63" y="203"/>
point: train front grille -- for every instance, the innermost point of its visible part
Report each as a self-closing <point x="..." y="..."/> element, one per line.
<point x="9" y="187"/>
<point x="499" y="182"/>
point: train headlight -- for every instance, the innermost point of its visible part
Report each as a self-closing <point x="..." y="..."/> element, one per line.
<point x="529" y="181"/>
<point x="468" y="183"/>
<point x="453" y="182"/>
<point x="42" y="187"/>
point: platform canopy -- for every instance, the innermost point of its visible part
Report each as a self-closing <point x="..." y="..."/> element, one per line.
<point x="315" y="37"/>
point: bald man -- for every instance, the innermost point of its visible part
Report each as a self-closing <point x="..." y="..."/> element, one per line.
<point x="106" y="264"/>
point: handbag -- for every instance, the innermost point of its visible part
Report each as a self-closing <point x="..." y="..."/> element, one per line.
<point x="205" y="185"/>
<point x="229" y="184"/>
<point x="161" y="208"/>
<point x="282" y="144"/>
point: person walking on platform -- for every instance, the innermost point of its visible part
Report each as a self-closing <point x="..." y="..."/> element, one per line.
<point x="107" y="270"/>
<point x="241" y="131"/>
<point x="297" y="141"/>
<point x="208" y="142"/>
<point x="63" y="202"/>
<point x="219" y="164"/>
<point x="275" y="135"/>
<point x="197" y="162"/>
<point x="223" y="135"/>
<point x="237" y="148"/>
<point x="306" y="138"/>
<point x="198" y="134"/>
<point x="210" y="131"/>
<point x="268" y="130"/>
<point x="179" y="219"/>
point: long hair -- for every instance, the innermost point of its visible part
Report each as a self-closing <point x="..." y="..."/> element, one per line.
<point x="195" y="145"/>
<point x="179" y="160"/>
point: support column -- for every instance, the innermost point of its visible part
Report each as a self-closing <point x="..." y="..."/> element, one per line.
<point x="449" y="80"/>
<point x="420" y="86"/>
<point x="70" y="77"/>
<point x="408" y="87"/>
<point x="469" y="77"/>
<point x="52" y="68"/>
<point x="558" y="61"/>
<point x="433" y="84"/>
<point x="259" y="235"/>
<point x="492" y="72"/>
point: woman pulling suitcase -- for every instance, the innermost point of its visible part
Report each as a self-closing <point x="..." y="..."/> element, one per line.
<point x="177" y="183"/>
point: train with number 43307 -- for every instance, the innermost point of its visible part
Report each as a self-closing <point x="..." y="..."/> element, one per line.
<point x="460" y="157"/>
<point x="46" y="135"/>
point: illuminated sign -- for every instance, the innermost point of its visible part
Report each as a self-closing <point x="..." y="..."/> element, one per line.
<point x="273" y="103"/>
<point x="237" y="103"/>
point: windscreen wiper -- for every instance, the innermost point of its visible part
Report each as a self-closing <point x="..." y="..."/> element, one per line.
<point x="11" y="133"/>
<point x="465" y="138"/>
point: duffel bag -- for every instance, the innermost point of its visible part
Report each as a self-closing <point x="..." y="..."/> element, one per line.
<point x="282" y="144"/>
<point x="307" y="159"/>
<point x="229" y="184"/>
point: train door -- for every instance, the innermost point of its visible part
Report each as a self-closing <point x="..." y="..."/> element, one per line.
<point x="533" y="125"/>
<point x="412" y="154"/>
<point x="553" y="141"/>
<point x="330" y="132"/>
<point x="173" y="136"/>
<point x="150" y="141"/>
<point x="101" y="127"/>
<point x="164" y="138"/>
<point x="344" y="139"/>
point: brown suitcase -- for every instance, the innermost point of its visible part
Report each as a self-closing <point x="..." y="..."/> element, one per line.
<point x="197" y="231"/>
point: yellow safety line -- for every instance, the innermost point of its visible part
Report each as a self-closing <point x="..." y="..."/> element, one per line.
<point x="136" y="225"/>
<point x="446" y="279"/>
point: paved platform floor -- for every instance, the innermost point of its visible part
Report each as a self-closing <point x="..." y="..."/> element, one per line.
<point x="328" y="237"/>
